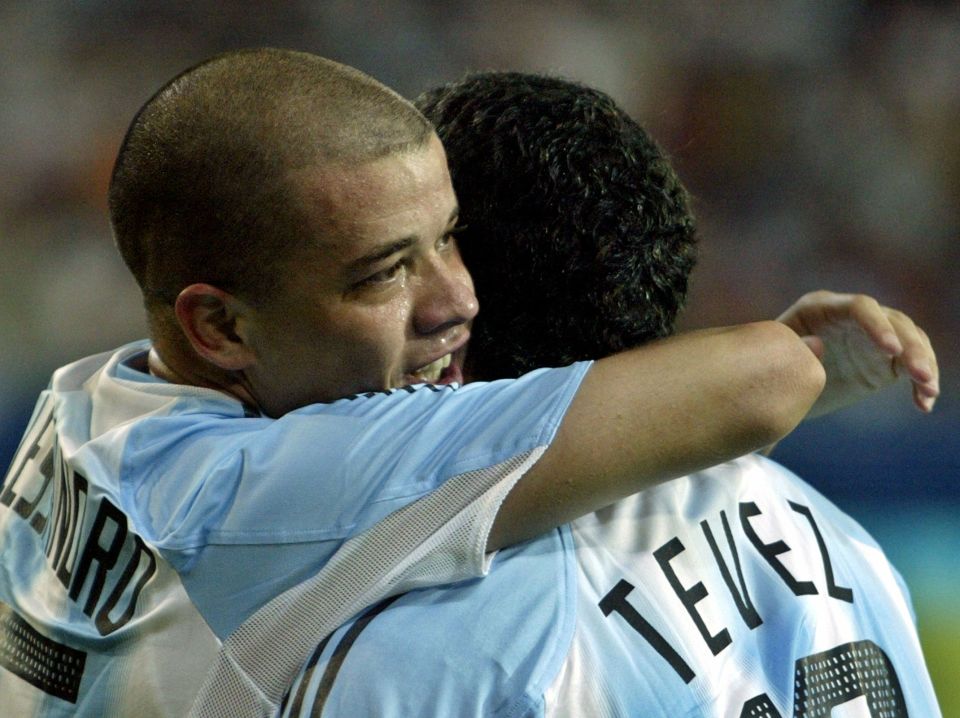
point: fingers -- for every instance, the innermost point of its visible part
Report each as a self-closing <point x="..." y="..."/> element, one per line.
<point x="930" y="397"/>
<point x="823" y="314"/>
<point x="820" y="311"/>
<point x="814" y="310"/>
<point x="896" y="334"/>
<point x="876" y="321"/>
<point x="917" y="359"/>
<point x="815" y="344"/>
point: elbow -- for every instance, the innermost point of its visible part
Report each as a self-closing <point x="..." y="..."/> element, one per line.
<point x="792" y="380"/>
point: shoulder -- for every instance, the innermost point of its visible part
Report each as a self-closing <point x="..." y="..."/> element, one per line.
<point x="483" y="647"/>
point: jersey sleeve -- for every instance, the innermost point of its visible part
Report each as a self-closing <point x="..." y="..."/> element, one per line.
<point x="245" y="507"/>
<point x="437" y="539"/>
<point x="329" y="471"/>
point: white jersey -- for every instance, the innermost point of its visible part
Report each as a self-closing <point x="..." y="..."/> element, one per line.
<point x="141" y="522"/>
<point x="738" y="591"/>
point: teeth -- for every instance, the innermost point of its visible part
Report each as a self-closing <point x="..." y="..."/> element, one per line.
<point x="432" y="371"/>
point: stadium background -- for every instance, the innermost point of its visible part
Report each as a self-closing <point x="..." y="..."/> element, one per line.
<point x="821" y="142"/>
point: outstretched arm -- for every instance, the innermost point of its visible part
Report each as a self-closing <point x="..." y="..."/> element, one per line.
<point x="660" y="411"/>
<point x="864" y="347"/>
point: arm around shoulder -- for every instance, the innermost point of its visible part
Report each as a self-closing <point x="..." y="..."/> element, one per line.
<point x="660" y="411"/>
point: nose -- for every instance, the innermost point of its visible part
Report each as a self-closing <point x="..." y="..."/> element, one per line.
<point x="445" y="298"/>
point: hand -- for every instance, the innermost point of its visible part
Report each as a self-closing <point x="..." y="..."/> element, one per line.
<point x="864" y="347"/>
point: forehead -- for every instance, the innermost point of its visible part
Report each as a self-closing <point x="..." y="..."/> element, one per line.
<point x="353" y="209"/>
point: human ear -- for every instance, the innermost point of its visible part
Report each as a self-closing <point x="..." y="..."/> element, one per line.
<point x="208" y="318"/>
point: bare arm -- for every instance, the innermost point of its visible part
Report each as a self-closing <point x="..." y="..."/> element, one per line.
<point x="661" y="411"/>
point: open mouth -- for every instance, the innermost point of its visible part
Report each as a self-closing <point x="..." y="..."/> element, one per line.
<point x="432" y="372"/>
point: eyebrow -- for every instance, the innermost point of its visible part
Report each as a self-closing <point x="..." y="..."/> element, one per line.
<point x="381" y="253"/>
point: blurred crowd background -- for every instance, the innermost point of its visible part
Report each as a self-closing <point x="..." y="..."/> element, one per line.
<point x="820" y="140"/>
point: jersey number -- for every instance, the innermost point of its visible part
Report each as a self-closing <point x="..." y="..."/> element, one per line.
<point x="822" y="681"/>
<point x="826" y="680"/>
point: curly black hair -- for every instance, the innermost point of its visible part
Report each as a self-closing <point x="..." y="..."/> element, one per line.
<point x="578" y="232"/>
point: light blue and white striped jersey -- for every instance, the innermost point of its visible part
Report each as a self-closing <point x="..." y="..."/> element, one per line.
<point x="738" y="591"/>
<point x="141" y="522"/>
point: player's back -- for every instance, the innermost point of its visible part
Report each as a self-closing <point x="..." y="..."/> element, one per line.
<point x="94" y="621"/>
<point x="739" y="590"/>
<point x="736" y="591"/>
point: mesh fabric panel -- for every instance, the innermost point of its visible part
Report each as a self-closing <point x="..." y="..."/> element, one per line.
<point x="439" y="539"/>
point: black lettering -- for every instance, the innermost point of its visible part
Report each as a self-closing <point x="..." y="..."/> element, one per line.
<point x="616" y="601"/>
<point x="38" y="519"/>
<point x="39" y="439"/>
<point x="105" y="625"/>
<point x="689" y="597"/>
<point x="44" y="490"/>
<point x="23" y="506"/>
<point x="742" y="600"/>
<point x="93" y="552"/>
<point x="56" y="514"/>
<point x="69" y="529"/>
<point x="770" y="551"/>
<point x="839" y="592"/>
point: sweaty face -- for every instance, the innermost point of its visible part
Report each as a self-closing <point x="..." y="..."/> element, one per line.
<point x="380" y="300"/>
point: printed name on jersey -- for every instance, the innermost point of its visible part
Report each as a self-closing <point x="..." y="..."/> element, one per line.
<point x="101" y="563"/>
<point x="617" y="601"/>
<point x="857" y="671"/>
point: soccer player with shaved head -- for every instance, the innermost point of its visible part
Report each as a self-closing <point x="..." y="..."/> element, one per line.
<point x="736" y="591"/>
<point x="297" y="411"/>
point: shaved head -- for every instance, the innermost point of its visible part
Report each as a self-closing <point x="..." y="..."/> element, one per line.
<point x="204" y="187"/>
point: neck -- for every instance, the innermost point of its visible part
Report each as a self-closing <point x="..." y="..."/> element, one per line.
<point x="160" y="369"/>
<point x="180" y="373"/>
